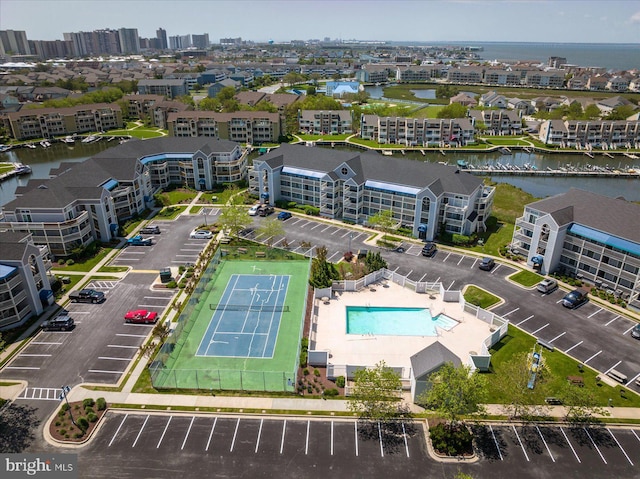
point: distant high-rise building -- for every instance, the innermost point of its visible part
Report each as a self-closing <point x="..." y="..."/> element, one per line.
<point x="231" y="41"/>
<point x="46" y="49"/>
<point x="161" y="35"/>
<point x="556" y="62"/>
<point x="200" y="41"/>
<point x="14" y="42"/>
<point x="179" y="42"/>
<point x="97" y="42"/>
<point x="129" y="40"/>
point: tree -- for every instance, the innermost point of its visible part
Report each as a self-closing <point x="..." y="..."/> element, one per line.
<point x="592" y="112"/>
<point x="234" y="219"/>
<point x="581" y="404"/>
<point x="454" y="110"/>
<point x="158" y="335"/>
<point x="270" y="229"/>
<point x="621" y="112"/>
<point x="376" y="393"/>
<point x="513" y="386"/>
<point x="322" y="272"/>
<point x="454" y="392"/>
<point x="209" y="104"/>
<point x="374" y="262"/>
<point x="383" y="220"/>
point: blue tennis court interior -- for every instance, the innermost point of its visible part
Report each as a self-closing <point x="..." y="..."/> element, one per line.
<point x="246" y="321"/>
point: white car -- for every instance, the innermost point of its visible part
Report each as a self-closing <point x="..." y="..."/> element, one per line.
<point x="201" y="234"/>
<point x="254" y="210"/>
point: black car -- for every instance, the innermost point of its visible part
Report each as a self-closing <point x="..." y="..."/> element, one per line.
<point x="429" y="249"/>
<point x="635" y="332"/>
<point x="63" y="322"/>
<point x="487" y="264"/>
<point x="265" y="210"/>
<point x="575" y="298"/>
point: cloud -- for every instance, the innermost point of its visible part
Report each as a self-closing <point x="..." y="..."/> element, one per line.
<point x="635" y="18"/>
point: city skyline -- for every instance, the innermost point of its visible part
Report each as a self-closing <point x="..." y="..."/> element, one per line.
<point x="561" y="21"/>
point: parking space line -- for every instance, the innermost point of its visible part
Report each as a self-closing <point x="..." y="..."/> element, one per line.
<point x="18" y="367"/>
<point x="629" y="329"/>
<point x="306" y="446"/>
<point x="114" y="359"/>
<point x="332" y="438"/>
<point x="437" y="280"/>
<point x="140" y="431"/>
<point x="284" y="427"/>
<point x="446" y="257"/>
<point x="404" y="436"/>
<point x="585" y="362"/>
<point x="164" y="432"/>
<point x="620" y="446"/>
<point x="215" y="420"/>
<point x="121" y="346"/>
<point x="420" y="280"/>
<point x="612" y="367"/>
<point x="634" y="378"/>
<point x="193" y="418"/>
<point x="558" y="336"/>
<point x="461" y="258"/>
<point x="545" y="444"/>
<point x="132" y="335"/>
<point x="380" y="437"/>
<point x="335" y="231"/>
<point x="496" y="442"/>
<point x="559" y="301"/>
<point x="525" y="320"/>
<point x="574" y="346"/>
<point x="512" y="311"/>
<point x="235" y="433"/>
<point x="540" y="329"/>
<point x="322" y="231"/>
<point x="105" y="371"/>
<point x="258" y="440"/>
<point x="355" y="429"/>
<point x="593" y="314"/>
<point x="409" y="273"/>
<point x="570" y="445"/>
<point x="118" y="430"/>
<point x="474" y="263"/>
<point x="521" y="446"/>
<point x="594" y="445"/>
<point x="330" y="259"/>
<point x="450" y="285"/>
<point x="45" y="343"/>
<point x="634" y="433"/>
<point x="496" y="268"/>
<point x="35" y="355"/>
<point x="607" y="324"/>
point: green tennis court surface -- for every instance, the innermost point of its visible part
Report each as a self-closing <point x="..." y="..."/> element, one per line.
<point x="265" y="305"/>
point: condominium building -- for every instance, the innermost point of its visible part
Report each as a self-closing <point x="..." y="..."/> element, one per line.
<point x="498" y="122"/>
<point x="352" y="186"/>
<point x="24" y="283"/>
<point x="417" y="131"/>
<point x="465" y="75"/>
<point x="250" y="127"/>
<point x="84" y="202"/>
<point x="590" y="236"/>
<point x="330" y="122"/>
<point x="51" y="122"/>
<point x="607" y="133"/>
<point x="166" y="88"/>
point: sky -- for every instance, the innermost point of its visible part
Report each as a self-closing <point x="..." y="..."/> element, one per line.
<point x="573" y="21"/>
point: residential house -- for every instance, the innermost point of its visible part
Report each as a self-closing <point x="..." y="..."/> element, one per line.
<point x="491" y="99"/>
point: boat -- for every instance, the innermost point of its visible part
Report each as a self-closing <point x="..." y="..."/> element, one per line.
<point x="4" y="148"/>
<point x="90" y="139"/>
<point x="30" y="145"/>
<point x="22" y="169"/>
<point x="45" y="144"/>
<point x="462" y="164"/>
<point x="69" y="140"/>
<point x="387" y="152"/>
<point x="505" y="151"/>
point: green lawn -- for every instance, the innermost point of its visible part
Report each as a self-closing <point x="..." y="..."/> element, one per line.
<point x="6" y="168"/>
<point x="324" y="137"/>
<point x="506" y="141"/>
<point x="526" y="278"/>
<point x="177" y="196"/>
<point x="480" y="297"/>
<point x="87" y="264"/>
<point x="559" y="366"/>
<point x="170" y="212"/>
<point x="139" y="132"/>
<point x="430" y="111"/>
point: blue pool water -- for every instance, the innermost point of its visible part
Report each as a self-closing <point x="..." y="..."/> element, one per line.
<point x="395" y="321"/>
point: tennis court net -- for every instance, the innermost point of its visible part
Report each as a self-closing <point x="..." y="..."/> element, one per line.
<point x="250" y="307"/>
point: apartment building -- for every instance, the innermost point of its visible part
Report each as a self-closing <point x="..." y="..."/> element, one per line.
<point x="331" y="122"/>
<point x="85" y="202"/>
<point x="465" y="75"/>
<point x="353" y="186"/>
<point x="502" y="77"/>
<point x="581" y="233"/>
<point x="374" y="73"/>
<point x="597" y="133"/>
<point x="25" y="288"/>
<point x="167" y="88"/>
<point x="542" y="79"/>
<point x="51" y="122"/>
<point x="417" y="131"/>
<point x="498" y="122"/>
<point x="250" y="127"/>
<point x="417" y="73"/>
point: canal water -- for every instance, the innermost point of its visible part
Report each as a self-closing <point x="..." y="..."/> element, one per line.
<point x="43" y="160"/>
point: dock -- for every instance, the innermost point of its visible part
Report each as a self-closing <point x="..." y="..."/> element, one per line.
<point x="560" y="172"/>
<point x="18" y="170"/>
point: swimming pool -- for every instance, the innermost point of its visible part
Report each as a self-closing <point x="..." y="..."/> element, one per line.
<point x="387" y="321"/>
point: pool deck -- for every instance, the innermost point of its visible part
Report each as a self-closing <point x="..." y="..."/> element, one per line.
<point x="396" y="351"/>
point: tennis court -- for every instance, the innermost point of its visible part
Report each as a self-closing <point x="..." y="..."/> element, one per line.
<point x="240" y="330"/>
<point x="246" y="321"/>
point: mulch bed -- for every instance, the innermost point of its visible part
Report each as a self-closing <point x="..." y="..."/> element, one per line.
<point x="62" y="429"/>
<point x="317" y="383"/>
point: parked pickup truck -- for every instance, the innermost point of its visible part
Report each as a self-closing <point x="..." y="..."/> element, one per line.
<point x="138" y="240"/>
<point x="87" y="296"/>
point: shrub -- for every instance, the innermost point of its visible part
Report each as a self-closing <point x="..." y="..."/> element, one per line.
<point x="89" y="402"/>
<point x="172" y="284"/>
<point x="316" y="372"/>
<point x="340" y="381"/>
<point x="451" y="440"/>
<point x="88" y="410"/>
<point x="82" y="423"/>
<point x="63" y="432"/>
<point x="303" y="359"/>
<point x="78" y="435"/>
<point x="91" y="417"/>
<point x="70" y="262"/>
<point x="312" y="210"/>
<point x="101" y="404"/>
<point x="305" y="371"/>
<point x="460" y="239"/>
<point x="331" y="392"/>
<point x="309" y="389"/>
<point x="58" y="423"/>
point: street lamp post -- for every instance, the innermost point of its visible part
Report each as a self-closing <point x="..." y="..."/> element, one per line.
<point x="350" y="236"/>
<point x="63" y="395"/>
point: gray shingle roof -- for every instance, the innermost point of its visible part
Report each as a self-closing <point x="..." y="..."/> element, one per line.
<point x="374" y="166"/>
<point x="432" y="357"/>
<point x="615" y="216"/>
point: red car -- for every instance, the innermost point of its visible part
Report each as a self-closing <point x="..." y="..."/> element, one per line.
<point x="141" y="316"/>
